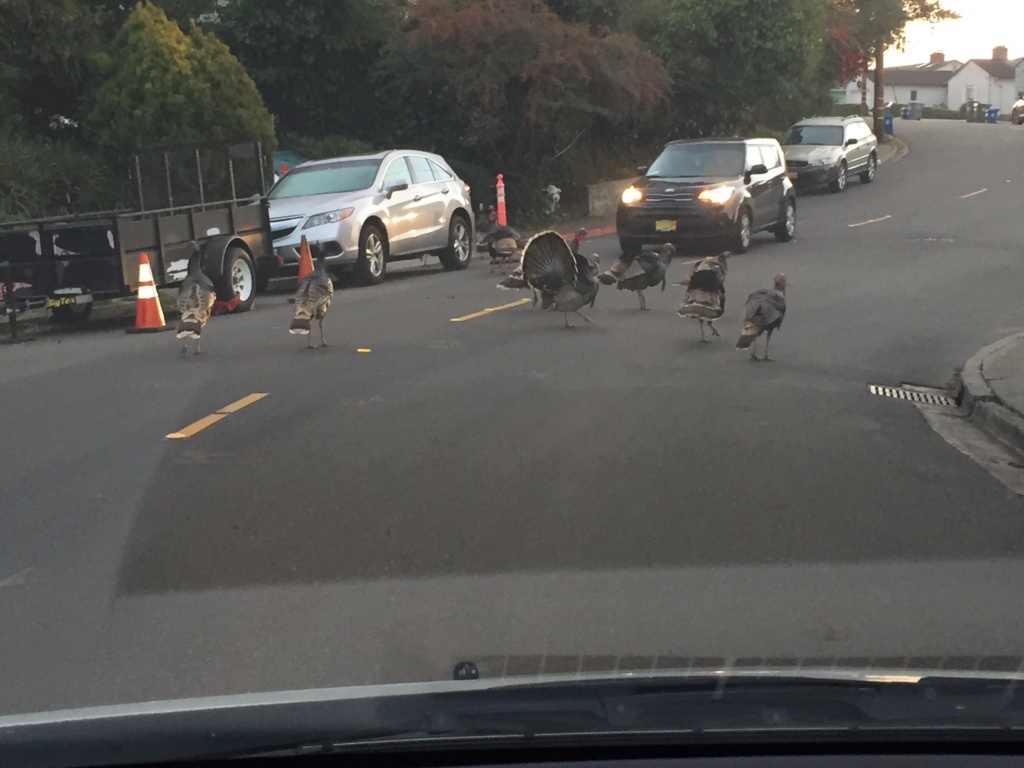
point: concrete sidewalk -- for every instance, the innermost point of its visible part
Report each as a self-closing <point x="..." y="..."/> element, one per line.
<point x="993" y="391"/>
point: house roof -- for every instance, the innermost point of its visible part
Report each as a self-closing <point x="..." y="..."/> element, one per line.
<point x="1001" y="69"/>
<point x="921" y="77"/>
<point x="946" y="65"/>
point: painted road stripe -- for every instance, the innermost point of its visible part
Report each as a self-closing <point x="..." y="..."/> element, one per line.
<point x="213" y="418"/>
<point x="869" y="221"/>
<point x="240" y="404"/>
<point x="972" y="194"/>
<point x="488" y="311"/>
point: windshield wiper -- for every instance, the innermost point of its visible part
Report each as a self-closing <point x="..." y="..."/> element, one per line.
<point x="686" y="709"/>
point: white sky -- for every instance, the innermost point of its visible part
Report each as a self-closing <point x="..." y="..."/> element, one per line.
<point x="983" y="24"/>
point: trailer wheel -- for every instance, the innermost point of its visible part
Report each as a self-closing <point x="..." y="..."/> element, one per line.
<point x="238" y="278"/>
<point x="72" y="315"/>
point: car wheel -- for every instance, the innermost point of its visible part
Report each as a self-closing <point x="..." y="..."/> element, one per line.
<point x="868" y="175"/>
<point x="459" y="250"/>
<point x="744" y="229"/>
<point x="372" y="264"/>
<point x="840" y="183"/>
<point x="786" y="229"/>
<point x="238" y="279"/>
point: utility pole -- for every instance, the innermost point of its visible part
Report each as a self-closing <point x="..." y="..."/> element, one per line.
<point x="879" y="117"/>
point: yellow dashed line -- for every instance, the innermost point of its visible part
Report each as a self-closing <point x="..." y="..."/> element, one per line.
<point x="213" y="418"/>
<point x="488" y="311"/>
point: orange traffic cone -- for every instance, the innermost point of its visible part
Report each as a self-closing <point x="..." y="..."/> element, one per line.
<point x="305" y="258"/>
<point x="149" y="315"/>
<point x="305" y="262"/>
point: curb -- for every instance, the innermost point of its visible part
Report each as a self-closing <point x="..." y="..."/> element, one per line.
<point x="900" y="151"/>
<point x="983" y="407"/>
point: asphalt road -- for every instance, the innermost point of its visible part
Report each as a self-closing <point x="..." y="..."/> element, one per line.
<point x="501" y="485"/>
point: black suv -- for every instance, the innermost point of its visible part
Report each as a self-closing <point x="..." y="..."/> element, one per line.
<point x="707" y="191"/>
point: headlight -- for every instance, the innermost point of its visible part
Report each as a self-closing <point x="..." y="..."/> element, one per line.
<point x="632" y="195"/>
<point x="327" y="218"/>
<point x="716" y="195"/>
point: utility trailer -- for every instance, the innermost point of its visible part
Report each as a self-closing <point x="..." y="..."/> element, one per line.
<point x="214" y="195"/>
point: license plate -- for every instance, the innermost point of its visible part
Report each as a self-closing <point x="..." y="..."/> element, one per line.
<point x="665" y="225"/>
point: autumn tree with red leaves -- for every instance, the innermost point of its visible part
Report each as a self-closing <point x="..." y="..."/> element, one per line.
<point x="509" y="84"/>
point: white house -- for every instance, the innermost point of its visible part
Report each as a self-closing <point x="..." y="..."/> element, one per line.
<point x="926" y="83"/>
<point x="990" y="81"/>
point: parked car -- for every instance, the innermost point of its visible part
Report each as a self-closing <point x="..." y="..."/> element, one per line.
<point x="369" y="210"/>
<point x="709" y="191"/>
<point x="827" y="150"/>
<point x="1017" y="112"/>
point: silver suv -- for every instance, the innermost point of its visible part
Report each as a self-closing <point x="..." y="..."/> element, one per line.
<point x="826" y="150"/>
<point x="368" y="210"/>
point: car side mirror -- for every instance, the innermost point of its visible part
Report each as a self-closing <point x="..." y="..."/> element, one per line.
<point x="850" y="142"/>
<point x="399" y="187"/>
<point x="758" y="169"/>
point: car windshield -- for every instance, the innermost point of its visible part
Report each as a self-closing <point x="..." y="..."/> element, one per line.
<point x="394" y="354"/>
<point x="699" y="161"/>
<point x="331" y="179"/>
<point x="824" y="135"/>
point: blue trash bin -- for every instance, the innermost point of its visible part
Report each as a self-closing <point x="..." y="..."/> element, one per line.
<point x="887" y="122"/>
<point x="993" y="113"/>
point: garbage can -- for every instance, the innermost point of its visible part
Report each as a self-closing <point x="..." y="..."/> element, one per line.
<point x="887" y="121"/>
<point x="969" y="109"/>
<point x="916" y="110"/>
<point x="992" y="114"/>
<point x="979" y="116"/>
<point x="904" y="113"/>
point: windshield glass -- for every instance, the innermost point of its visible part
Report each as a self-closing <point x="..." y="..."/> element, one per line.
<point x="699" y="160"/>
<point x="825" y="135"/>
<point x="332" y="179"/>
<point x="376" y="346"/>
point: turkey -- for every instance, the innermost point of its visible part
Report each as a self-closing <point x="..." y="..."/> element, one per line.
<point x="502" y="244"/>
<point x="196" y="298"/>
<point x="762" y="313"/>
<point x="705" y="292"/>
<point x="647" y="270"/>
<point x="566" y="281"/>
<point x="312" y="299"/>
<point x="516" y="282"/>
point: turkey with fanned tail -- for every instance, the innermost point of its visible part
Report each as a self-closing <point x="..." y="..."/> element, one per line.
<point x="566" y="282"/>
<point x="763" y="313"/>
<point x="313" y="299"/>
<point x="705" y="292"/>
<point x="196" y="298"/>
<point x="515" y="281"/>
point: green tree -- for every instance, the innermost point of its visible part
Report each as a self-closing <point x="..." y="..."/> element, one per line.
<point x="731" y="61"/>
<point x="160" y="85"/>
<point x="530" y="86"/>
<point x="45" y="49"/>
<point x="312" y="59"/>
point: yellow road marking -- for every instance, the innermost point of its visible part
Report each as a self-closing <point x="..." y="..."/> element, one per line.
<point x="197" y="426"/>
<point x="240" y="404"/>
<point x="972" y="194"/>
<point x="488" y="311"/>
<point x="364" y="350"/>
<point x="213" y="418"/>
<point x="869" y="221"/>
